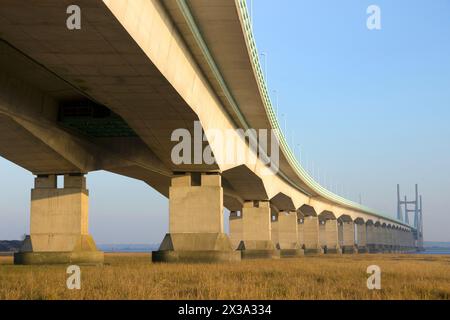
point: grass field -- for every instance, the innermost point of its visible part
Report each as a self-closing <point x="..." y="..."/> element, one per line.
<point x="132" y="276"/>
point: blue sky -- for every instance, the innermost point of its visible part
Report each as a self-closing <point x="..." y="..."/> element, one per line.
<point x="369" y="109"/>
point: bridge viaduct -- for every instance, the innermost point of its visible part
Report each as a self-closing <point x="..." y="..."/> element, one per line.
<point x="109" y="96"/>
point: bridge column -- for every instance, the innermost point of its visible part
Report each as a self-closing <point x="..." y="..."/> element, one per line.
<point x="301" y="232"/>
<point x="411" y="242"/>
<point x="59" y="224"/>
<point x="382" y="238"/>
<point x="393" y="231"/>
<point x="340" y="233"/>
<point x="403" y="240"/>
<point x="386" y="239"/>
<point x="256" y="231"/>
<point x="389" y="247"/>
<point x="361" y="236"/>
<point x="390" y="239"/>
<point x="311" y="235"/>
<point x="322" y="234"/>
<point x="347" y="236"/>
<point x="331" y="235"/>
<point x="288" y="235"/>
<point x="236" y="234"/>
<point x="379" y="237"/>
<point x="196" y="222"/>
<point x="416" y="240"/>
<point x="274" y="229"/>
<point x="371" y="233"/>
<point x="400" y="240"/>
<point x="420" y="242"/>
<point x="395" y="240"/>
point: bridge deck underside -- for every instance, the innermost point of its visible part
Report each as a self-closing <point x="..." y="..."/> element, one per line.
<point x="108" y="61"/>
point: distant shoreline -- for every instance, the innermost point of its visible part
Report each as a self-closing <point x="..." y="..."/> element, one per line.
<point x="438" y="251"/>
<point x="7" y="248"/>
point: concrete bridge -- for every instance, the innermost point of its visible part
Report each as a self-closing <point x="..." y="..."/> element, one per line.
<point x="109" y="96"/>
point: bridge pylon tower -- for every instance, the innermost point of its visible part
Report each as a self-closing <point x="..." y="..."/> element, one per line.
<point x="405" y="207"/>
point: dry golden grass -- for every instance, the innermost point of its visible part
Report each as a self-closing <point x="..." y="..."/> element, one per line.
<point x="132" y="276"/>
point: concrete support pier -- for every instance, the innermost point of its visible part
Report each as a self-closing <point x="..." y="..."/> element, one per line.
<point x="196" y="222"/>
<point x="59" y="224"/>
<point x="301" y="232"/>
<point x="383" y="240"/>
<point x="322" y="235"/>
<point x="404" y="245"/>
<point x="311" y="235"/>
<point x="256" y="241"/>
<point x="347" y="236"/>
<point x="372" y="246"/>
<point x="332" y="240"/>
<point x="401" y="235"/>
<point x="395" y="243"/>
<point x="235" y="223"/>
<point x="361" y="236"/>
<point x="389" y="240"/>
<point x="329" y="235"/>
<point x="288" y="235"/>
<point x="274" y="229"/>
<point x="411" y="242"/>
<point x="379" y="238"/>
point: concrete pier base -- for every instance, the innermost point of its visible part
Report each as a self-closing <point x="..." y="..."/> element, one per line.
<point x="349" y="249"/>
<point x="195" y="256"/>
<point x="260" y="254"/>
<point x="51" y="258"/>
<point x="59" y="224"/>
<point x="196" y="248"/>
<point x="396" y="249"/>
<point x="362" y="249"/>
<point x="48" y="258"/>
<point x="260" y="249"/>
<point x="333" y="250"/>
<point x="85" y="253"/>
<point x="313" y="251"/>
<point x="291" y="253"/>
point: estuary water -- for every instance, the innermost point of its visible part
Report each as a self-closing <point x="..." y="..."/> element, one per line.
<point x="437" y="251"/>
